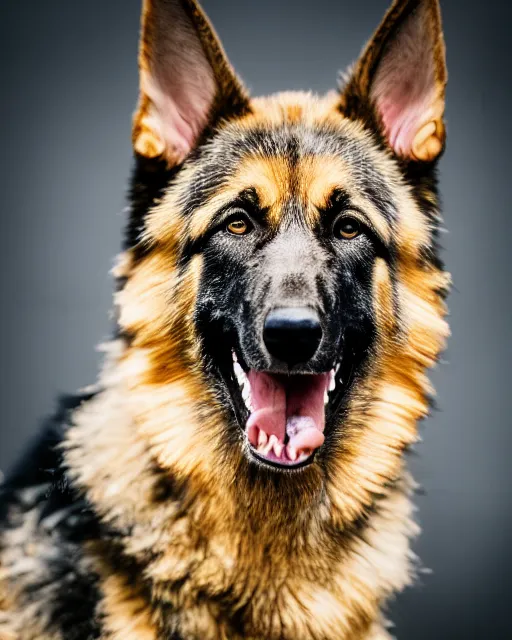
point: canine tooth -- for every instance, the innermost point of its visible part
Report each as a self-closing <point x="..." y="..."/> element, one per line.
<point x="240" y="375"/>
<point x="235" y="359"/>
<point x="326" y="397"/>
<point x="337" y="367"/>
<point x="332" y="383"/>
<point x="262" y="439"/>
<point x="278" y="448"/>
<point x="291" y="452"/>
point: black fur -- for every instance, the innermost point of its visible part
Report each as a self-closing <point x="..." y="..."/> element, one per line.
<point x="39" y="483"/>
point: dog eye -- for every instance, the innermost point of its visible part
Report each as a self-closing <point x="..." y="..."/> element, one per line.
<point x="238" y="226"/>
<point x="347" y="228"/>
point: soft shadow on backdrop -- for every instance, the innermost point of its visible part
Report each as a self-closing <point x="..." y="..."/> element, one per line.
<point x="69" y="85"/>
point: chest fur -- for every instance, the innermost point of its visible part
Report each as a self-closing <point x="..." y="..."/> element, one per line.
<point x="234" y="584"/>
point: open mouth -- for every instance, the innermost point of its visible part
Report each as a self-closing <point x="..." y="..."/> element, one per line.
<point x="284" y="417"/>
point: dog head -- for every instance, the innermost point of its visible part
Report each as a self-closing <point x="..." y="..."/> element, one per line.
<point x="282" y="295"/>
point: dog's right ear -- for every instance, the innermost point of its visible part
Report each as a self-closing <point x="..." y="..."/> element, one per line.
<point x="186" y="81"/>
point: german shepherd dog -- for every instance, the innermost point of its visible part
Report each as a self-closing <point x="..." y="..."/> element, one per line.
<point x="238" y="470"/>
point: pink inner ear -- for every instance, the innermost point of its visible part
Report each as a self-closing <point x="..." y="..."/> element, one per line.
<point x="404" y="88"/>
<point x="179" y="80"/>
<point x="403" y="117"/>
<point x="182" y="103"/>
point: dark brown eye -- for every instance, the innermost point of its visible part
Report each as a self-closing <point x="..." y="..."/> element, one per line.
<point x="238" y="226"/>
<point x="347" y="228"/>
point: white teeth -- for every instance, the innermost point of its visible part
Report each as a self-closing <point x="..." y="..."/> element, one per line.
<point x="266" y="444"/>
<point x="262" y="439"/>
<point x="291" y="452"/>
<point x="235" y="359"/>
<point x="270" y="444"/>
<point x="239" y="373"/>
<point x="337" y="367"/>
<point x="243" y="382"/>
<point x="332" y="385"/>
<point x="278" y="448"/>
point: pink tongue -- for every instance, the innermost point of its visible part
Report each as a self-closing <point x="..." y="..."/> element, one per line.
<point x="293" y="406"/>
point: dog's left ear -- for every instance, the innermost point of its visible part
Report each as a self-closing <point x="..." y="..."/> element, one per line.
<point x="186" y="82"/>
<point x="399" y="82"/>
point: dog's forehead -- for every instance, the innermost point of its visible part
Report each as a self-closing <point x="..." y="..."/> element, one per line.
<point x="292" y="146"/>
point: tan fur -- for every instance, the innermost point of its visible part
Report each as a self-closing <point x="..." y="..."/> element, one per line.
<point x="153" y="388"/>
<point x="228" y="555"/>
<point x="157" y="403"/>
<point x="126" y="614"/>
<point x="322" y="565"/>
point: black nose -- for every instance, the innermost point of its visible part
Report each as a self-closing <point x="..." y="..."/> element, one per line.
<point x="292" y="334"/>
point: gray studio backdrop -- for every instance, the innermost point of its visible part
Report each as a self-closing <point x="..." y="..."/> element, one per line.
<point x="68" y="88"/>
